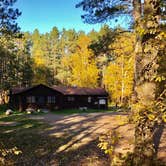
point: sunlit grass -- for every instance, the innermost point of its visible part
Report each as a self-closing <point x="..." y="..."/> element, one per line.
<point x="76" y="111"/>
<point x="25" y="135"/>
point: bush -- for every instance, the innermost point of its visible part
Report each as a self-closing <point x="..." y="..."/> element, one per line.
<point x="3" y="108"/>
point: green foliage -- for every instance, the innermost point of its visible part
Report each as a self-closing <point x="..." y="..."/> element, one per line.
<point x="16" y="68"/>
<point x="98" y="11"/>
<point x="3" y="108"/>
<point x="8" y="17"/>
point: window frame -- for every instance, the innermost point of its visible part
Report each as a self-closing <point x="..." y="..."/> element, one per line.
<point x="102" y="101"/>
<point x="89" y="99"/>
<point x="31" y="99"/>
<point x="70" y="98"/>
<point x="51" y="99"/>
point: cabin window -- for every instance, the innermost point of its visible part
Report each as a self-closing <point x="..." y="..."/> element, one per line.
<point x="96" y="103"/>
<point x="31" y="99"/>
<point x="102" y="101"/>
<point x="51" y="99"/>
<point x="89" y="99"/>
<point x="70" y="98"/>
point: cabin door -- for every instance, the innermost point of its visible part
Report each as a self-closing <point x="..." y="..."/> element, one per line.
<point x="40" y="101"/>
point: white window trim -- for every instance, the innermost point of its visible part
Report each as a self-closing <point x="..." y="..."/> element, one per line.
<point x="89" y="99"/>
<point x="102" y="101"/>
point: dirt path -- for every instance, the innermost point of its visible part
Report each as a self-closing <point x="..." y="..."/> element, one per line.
<point x="87" y="127"/>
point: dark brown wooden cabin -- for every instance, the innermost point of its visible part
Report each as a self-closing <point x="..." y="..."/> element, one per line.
<point x="58" y="97"/>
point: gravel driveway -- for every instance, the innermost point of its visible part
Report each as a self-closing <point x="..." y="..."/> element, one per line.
<point x="86" y="127"/>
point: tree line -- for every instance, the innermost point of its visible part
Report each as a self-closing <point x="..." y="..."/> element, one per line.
<point x="70" y="58"/>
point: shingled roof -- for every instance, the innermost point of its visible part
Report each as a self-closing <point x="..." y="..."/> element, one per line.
<point x="80" y="90"/>
<point x="17" y="90"/>
<point x="65" y="90"/>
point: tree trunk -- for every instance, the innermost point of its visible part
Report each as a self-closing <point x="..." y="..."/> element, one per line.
<point x="144" y="87"/>
<point x="122" y="84"/>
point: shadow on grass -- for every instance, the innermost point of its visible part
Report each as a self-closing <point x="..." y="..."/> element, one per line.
<point x="39" y="148"/>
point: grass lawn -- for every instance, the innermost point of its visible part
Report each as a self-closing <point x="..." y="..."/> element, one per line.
<point x="76" y="111"/>
<point x="38" y="148"/>
<point x="18" y="131"/>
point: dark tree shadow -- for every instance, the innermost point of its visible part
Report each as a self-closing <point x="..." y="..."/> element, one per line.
<point x="157" y="135"/>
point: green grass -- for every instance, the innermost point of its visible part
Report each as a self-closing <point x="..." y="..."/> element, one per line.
<point x="3" y="108"/>
<point x="76" y="111"/>
<point x="25" y="135"/>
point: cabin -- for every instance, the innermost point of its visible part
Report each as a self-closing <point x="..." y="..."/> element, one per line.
<point x="58" y="97"/>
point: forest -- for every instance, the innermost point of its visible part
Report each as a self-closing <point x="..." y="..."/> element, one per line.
<point x="130" y="64"/>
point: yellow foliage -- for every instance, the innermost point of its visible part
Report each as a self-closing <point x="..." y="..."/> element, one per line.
<point x="84" y="72"/>
<point x="108" y="142"/>
<point x="164" y="117"/>
<point x="38" y="58"/>
<point x="118" y="76"/>
<point x="4" y="152"/>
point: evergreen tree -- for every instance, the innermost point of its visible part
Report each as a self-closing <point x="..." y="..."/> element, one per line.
<point x="8" y="16"/>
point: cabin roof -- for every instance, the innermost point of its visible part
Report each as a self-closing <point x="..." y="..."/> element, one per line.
<point x="80" y="90"/>
<point x="64" y="90"/>
<point x="18" y="90"/>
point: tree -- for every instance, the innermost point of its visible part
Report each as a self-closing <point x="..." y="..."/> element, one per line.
<point x="147" y="17"/>
<point x="149" y="45"/>
<point x="9" y="61"/>
<point x="67" y="46"/>
<point x="54" y="57"/>
<point x="8" y="48"/>
<point x="118" y="78"/>
<point x="99" y="11"/>
<point x="25" y="60"/>
<point x="8" y="15"/>
<point x="102" y="50"/>
<point x="84" y="72"/>
<point x="41" y="54"/>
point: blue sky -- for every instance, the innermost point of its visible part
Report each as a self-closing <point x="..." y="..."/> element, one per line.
<point x="45" y="14"/>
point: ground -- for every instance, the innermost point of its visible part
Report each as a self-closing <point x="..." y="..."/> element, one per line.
<point x="71" y="140"/>
<point x="86" y="127"/>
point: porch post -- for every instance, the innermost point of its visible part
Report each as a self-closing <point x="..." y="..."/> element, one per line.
<point x="20" y="104"/>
